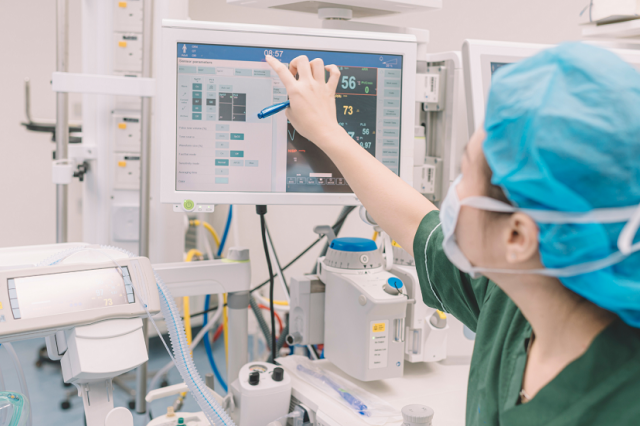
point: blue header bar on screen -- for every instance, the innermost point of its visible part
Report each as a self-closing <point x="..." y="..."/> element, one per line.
<point x="257" y="54"/>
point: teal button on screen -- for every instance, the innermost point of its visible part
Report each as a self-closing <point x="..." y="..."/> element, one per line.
<point x="238" y="154"/>
<point x="222" y="162"/>
<point x="237" y="136"/>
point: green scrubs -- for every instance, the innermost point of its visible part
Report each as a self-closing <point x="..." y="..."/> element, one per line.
<point x="602" y="387"/>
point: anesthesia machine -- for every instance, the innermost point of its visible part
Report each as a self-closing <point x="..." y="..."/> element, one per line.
<point x="359" y="318"/>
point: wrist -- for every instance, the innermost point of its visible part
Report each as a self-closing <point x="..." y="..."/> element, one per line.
<point x="330" y="136"/>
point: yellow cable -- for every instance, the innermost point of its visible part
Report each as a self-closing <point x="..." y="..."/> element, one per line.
<point x="208" y="227"/>
<point x="187" y="318"/>
<point x="225" y="319"/>
<point x="375" y="235"/>
<point x="191" y="253"/>
<point x="277" y="302"/>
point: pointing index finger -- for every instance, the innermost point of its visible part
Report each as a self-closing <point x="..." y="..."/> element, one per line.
<point x="283" y="72"/>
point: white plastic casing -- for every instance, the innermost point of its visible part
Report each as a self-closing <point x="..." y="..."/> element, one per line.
<point x="174" y="32"/>
<point x="141" y="275"/>
<point x="361" y="8"/>
<point x="128" y="52"/>
<point x="424" y="342"/>
<point x="364" y="325"/>
<point x="104" y="350"/>
<point x="128" y="16"/>
<point x="269" y="400"/>
<point x="306" y="317"/>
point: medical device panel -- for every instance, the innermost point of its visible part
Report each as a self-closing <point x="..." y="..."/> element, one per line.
<point x="215" y="81"/>
<point x="35" y="303"/>
<point x="365" y="309"/>
<point x="481" y="59"/>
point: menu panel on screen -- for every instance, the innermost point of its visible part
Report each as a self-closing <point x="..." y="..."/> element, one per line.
<point x="222" y="146"/>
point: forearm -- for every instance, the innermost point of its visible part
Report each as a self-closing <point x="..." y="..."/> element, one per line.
<point x="393" y="204"/>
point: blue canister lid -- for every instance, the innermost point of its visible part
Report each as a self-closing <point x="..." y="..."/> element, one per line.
<point x="352" y="244"/>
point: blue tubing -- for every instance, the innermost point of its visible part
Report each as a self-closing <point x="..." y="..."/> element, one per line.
<point x="207" y="345"/>
<point x="226" y="231"/>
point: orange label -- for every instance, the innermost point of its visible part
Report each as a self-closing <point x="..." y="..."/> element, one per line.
<point x="378" y="328"/>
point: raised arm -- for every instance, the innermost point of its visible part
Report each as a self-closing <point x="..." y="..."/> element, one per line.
<point x="393" y="204"/>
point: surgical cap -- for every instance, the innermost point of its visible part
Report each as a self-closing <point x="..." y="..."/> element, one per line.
<point x="563" y="134"/>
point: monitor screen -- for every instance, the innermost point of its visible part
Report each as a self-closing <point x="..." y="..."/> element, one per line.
<point x="222" y="146"/>
<point x="495" y="66"/>
<point x="69" y="292"/>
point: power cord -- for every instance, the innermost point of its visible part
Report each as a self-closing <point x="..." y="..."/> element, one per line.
<point x="336" y="228"/>
<point x="261" y="211"/>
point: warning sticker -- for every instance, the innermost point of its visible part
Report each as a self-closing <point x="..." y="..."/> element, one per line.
<point x="379" y="327"/>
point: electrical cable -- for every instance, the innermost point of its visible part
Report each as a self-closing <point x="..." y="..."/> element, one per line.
<point x="344" y="213"/>
<point x="205" y="328"/>
<point x="207" y="346"/>
<point x="283" y="280"/>
<point x="261" y="322"/>
<point x="261" y="211"/>
<point x="276" y="315"/>
<point x="281" y="341"/>
<point x="277" y="306"/>
<point x="197" y="314"/>
<point x="336" y="228"/>
<point x="208" y="227"/>
<point x="218" y="333"/>
<point x="315" y="351"/>
<point x="225" y="234"/>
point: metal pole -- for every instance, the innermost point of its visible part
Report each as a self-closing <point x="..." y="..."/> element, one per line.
<point x="238" y="313"/>
<point x="62" y="115"/>
<point x="145" y="176"/>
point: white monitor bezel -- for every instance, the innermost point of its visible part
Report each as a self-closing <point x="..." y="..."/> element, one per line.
<point x="477" y="56"/>
<point x="174" y="32"/>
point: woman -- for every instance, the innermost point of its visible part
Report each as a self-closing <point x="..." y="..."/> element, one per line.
<point x="557" y="307"/>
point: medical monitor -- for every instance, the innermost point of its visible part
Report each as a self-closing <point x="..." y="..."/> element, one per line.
<point x="481" y="59"/>
<point x="215" y="150"/>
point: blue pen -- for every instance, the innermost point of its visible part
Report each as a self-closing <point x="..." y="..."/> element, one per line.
<point x="273" y="109"/>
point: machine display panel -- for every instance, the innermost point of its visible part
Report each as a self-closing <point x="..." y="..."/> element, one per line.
<point x="45" y="295"/>
<point x="222" y="146"/>
<point x="495" y="66"/>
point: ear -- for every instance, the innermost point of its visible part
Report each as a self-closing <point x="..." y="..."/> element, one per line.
<point x="521" y="239"/>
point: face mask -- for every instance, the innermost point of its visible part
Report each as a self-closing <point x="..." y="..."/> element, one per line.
<point x="14" y="409"/>
<point x="451" y="209"/>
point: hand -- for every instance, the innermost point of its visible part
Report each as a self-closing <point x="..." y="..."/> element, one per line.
<point x="313" y="102"/>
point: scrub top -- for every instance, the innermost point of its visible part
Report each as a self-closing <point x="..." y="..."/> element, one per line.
<point x="602" y="387"/>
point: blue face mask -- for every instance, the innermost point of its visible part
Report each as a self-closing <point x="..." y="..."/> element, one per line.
<point x="14" y="409"/>
<point x="450" y="211"/>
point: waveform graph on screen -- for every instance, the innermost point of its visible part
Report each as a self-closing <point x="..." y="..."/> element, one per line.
<point x="309" y="169"/>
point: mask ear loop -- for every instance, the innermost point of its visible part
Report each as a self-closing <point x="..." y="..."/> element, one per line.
<point x="625" y="240"/>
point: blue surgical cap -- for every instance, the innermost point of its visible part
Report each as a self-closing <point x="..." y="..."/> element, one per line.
<point x="563" y="134"/>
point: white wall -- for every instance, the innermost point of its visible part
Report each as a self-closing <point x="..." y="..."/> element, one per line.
<point x="28" y="31"/>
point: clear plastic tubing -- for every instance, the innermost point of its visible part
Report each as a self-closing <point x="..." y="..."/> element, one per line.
<point x="164" y="370"/>
<point x="23" y="381"/>
<point x="214" y="412"/>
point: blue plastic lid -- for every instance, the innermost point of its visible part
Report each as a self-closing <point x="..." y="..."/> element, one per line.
<point x="353" y="244"/>
<point x="395" y="283"/>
